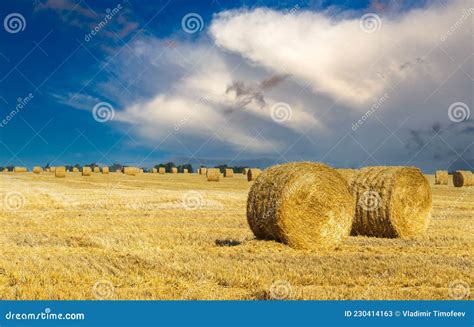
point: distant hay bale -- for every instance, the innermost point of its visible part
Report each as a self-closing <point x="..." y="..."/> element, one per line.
<point x="244" y="171"/>
<point x="391" y="202"/>
<point x="52" y="169"/>
<point x="48" y="170"/>
<point x="162" y="170"/>
<point x="213" y="174"/>
<point x="174" y="170"/>
<point x="154" y="170"/>
<point x="203" y="171"/>
<point x="96" y="170"/>
<point x="228" y="172"/>
<point x="20" y="169"/>
<point x="441" y="177"/>
<point x="252" y="173"/>
<point x="75" y="169"/>
<point x="347" y="173"/>
<point x="105" y="170"/>
<point x="131" y="171"/>
<point x="86" y="171"/>
<point x="5" y="170"/>
<point x="305" y="205"/>
<point x="463" y="178"/>
<point x="37" y="169"/>
<point x="60" y="172"/>
<point x="185" y="170"/>
<point x="140" y="170"/>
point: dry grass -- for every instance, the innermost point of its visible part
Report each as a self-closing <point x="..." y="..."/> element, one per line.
<point x="67" y="237"/>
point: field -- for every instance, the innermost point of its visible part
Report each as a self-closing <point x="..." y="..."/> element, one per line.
<point x="177" y="236"/>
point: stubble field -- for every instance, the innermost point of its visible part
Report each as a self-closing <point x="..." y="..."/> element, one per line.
<point x="178" y="236"/>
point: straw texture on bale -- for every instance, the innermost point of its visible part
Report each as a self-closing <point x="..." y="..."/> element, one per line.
<point x="213" y="174"/>
<point x="162" y="170"/>
<point x="174" y="170"/>
<point x="60" y="172"/>
<point x="244" y="171"/>
<point x="228" y="172"/>
<point x="154" y="170"/>
<point x="347" y="173"/>
<point x="305" y="205"/>
<point x="52" y="169"/>
<point x="131" y="171"/>
<point x="96" y="170"/>
<point x="86" y="171"/>
<point x="75" y="169"/>
<point x="391" y="202"/>
<point x="105" y="170"/>
<point x="20" y="169"/>
<point x="441" y="177"/>
<point x="37" y="169"/>
<point x="253" y="173"/>
<point x="202" y="171"/>
<point x="185" y="170"/>
<point x="463" y="178"/>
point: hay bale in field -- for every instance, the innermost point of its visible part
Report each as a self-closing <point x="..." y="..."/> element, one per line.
<point x="140" y="170"/>
<point x="154" y="171"/>
<point x="60" y="172"/>
<point x="347" y="173"/>
<point x="463" y="178"/>
<point x="441" y="177"/>
<point x="20" y="169"/>
<point x="162" y="170"/>
<point x="228" y="172"/>
<point x="5" y="170"/>
<point x="213" y="174"/>
<point x="245" y="171"/>
<point x="86" y="171"/>
<point x="75" y="170"/>
<point x="37" y="169"/>
<point x="303" y="204"/>
<point x="252" y="174"/>
<point x="52" y="169"/>
<point x="174" y="170"/>
<point x="203" y="171"/>
<point x="391" y="202"/>
<point x="96" y="170"/>
<point x="105" y="170"/>
<point x="131" y="171"/>
<point x="185" y="170"/>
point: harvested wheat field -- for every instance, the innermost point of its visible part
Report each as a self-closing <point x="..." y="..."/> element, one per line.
<point x="176" y="236"/>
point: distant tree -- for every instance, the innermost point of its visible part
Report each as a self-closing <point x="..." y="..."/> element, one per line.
<point x="116" y="167"/>
<point x="189" y="167"/>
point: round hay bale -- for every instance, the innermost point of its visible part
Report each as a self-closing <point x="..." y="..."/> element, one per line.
<point x="391" y="202"/>
<point x="252" y="174"/>
<point x="347" y="173"/>
<point x="105" y="170"/>
<point x="162" y="170"/>
<point x="75" y="169"/>
<point x="463" y="178"/>
<point x="185" y="170"/>
<point x="5" y="170"/>
<point x="441" y="177"/>
<point x="131" y="171"/>
<point x="86" y="171"/>
<point x="228" y="172"/>
<point x="20" y="169"/>
<point x="213" y="174"/>
<point x="60" y="172"/>
<point x="52" y="169"/>
<point x="37" y="169"/>
<point x="303" y="204"/>
<point x="154" y="170"/>
<point x="244" y="171"/>
<point x="174" y="170"/>
<point x="203" y="171"/>
<point x="96" y="170"/>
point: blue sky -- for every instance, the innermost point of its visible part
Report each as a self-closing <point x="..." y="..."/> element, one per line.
<point x="213" y="94"/>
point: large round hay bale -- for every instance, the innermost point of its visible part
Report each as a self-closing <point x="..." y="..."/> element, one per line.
<point x="305" y="205"/>
<point x="96" y="170"/>
<point x="228" y="172"/>
<point x="75" y="169"/>
<point x="105" y="170"/>
<point x="131" y="171"/>
<point x="86" y="171"/>
<point x="252" y="174"/>
<point x="463" y="178"/>
<point x="185" y="170"/>
<point x="162" y="170"/>
<point x="213" y="174"/>
<point x="20" y="169"/>
<point x="60" y="172"/>
<point x="154" y="170"/>
<point x="391" y="202"/>
<point x="203" y="171"/>
<point x="441" y="177"/>
<point x="347" y="173"/>
<point x="174" y="170"/>
<point x="37" y="169"/>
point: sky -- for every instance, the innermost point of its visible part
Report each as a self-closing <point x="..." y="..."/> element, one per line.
<point x="243" y="83"/>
